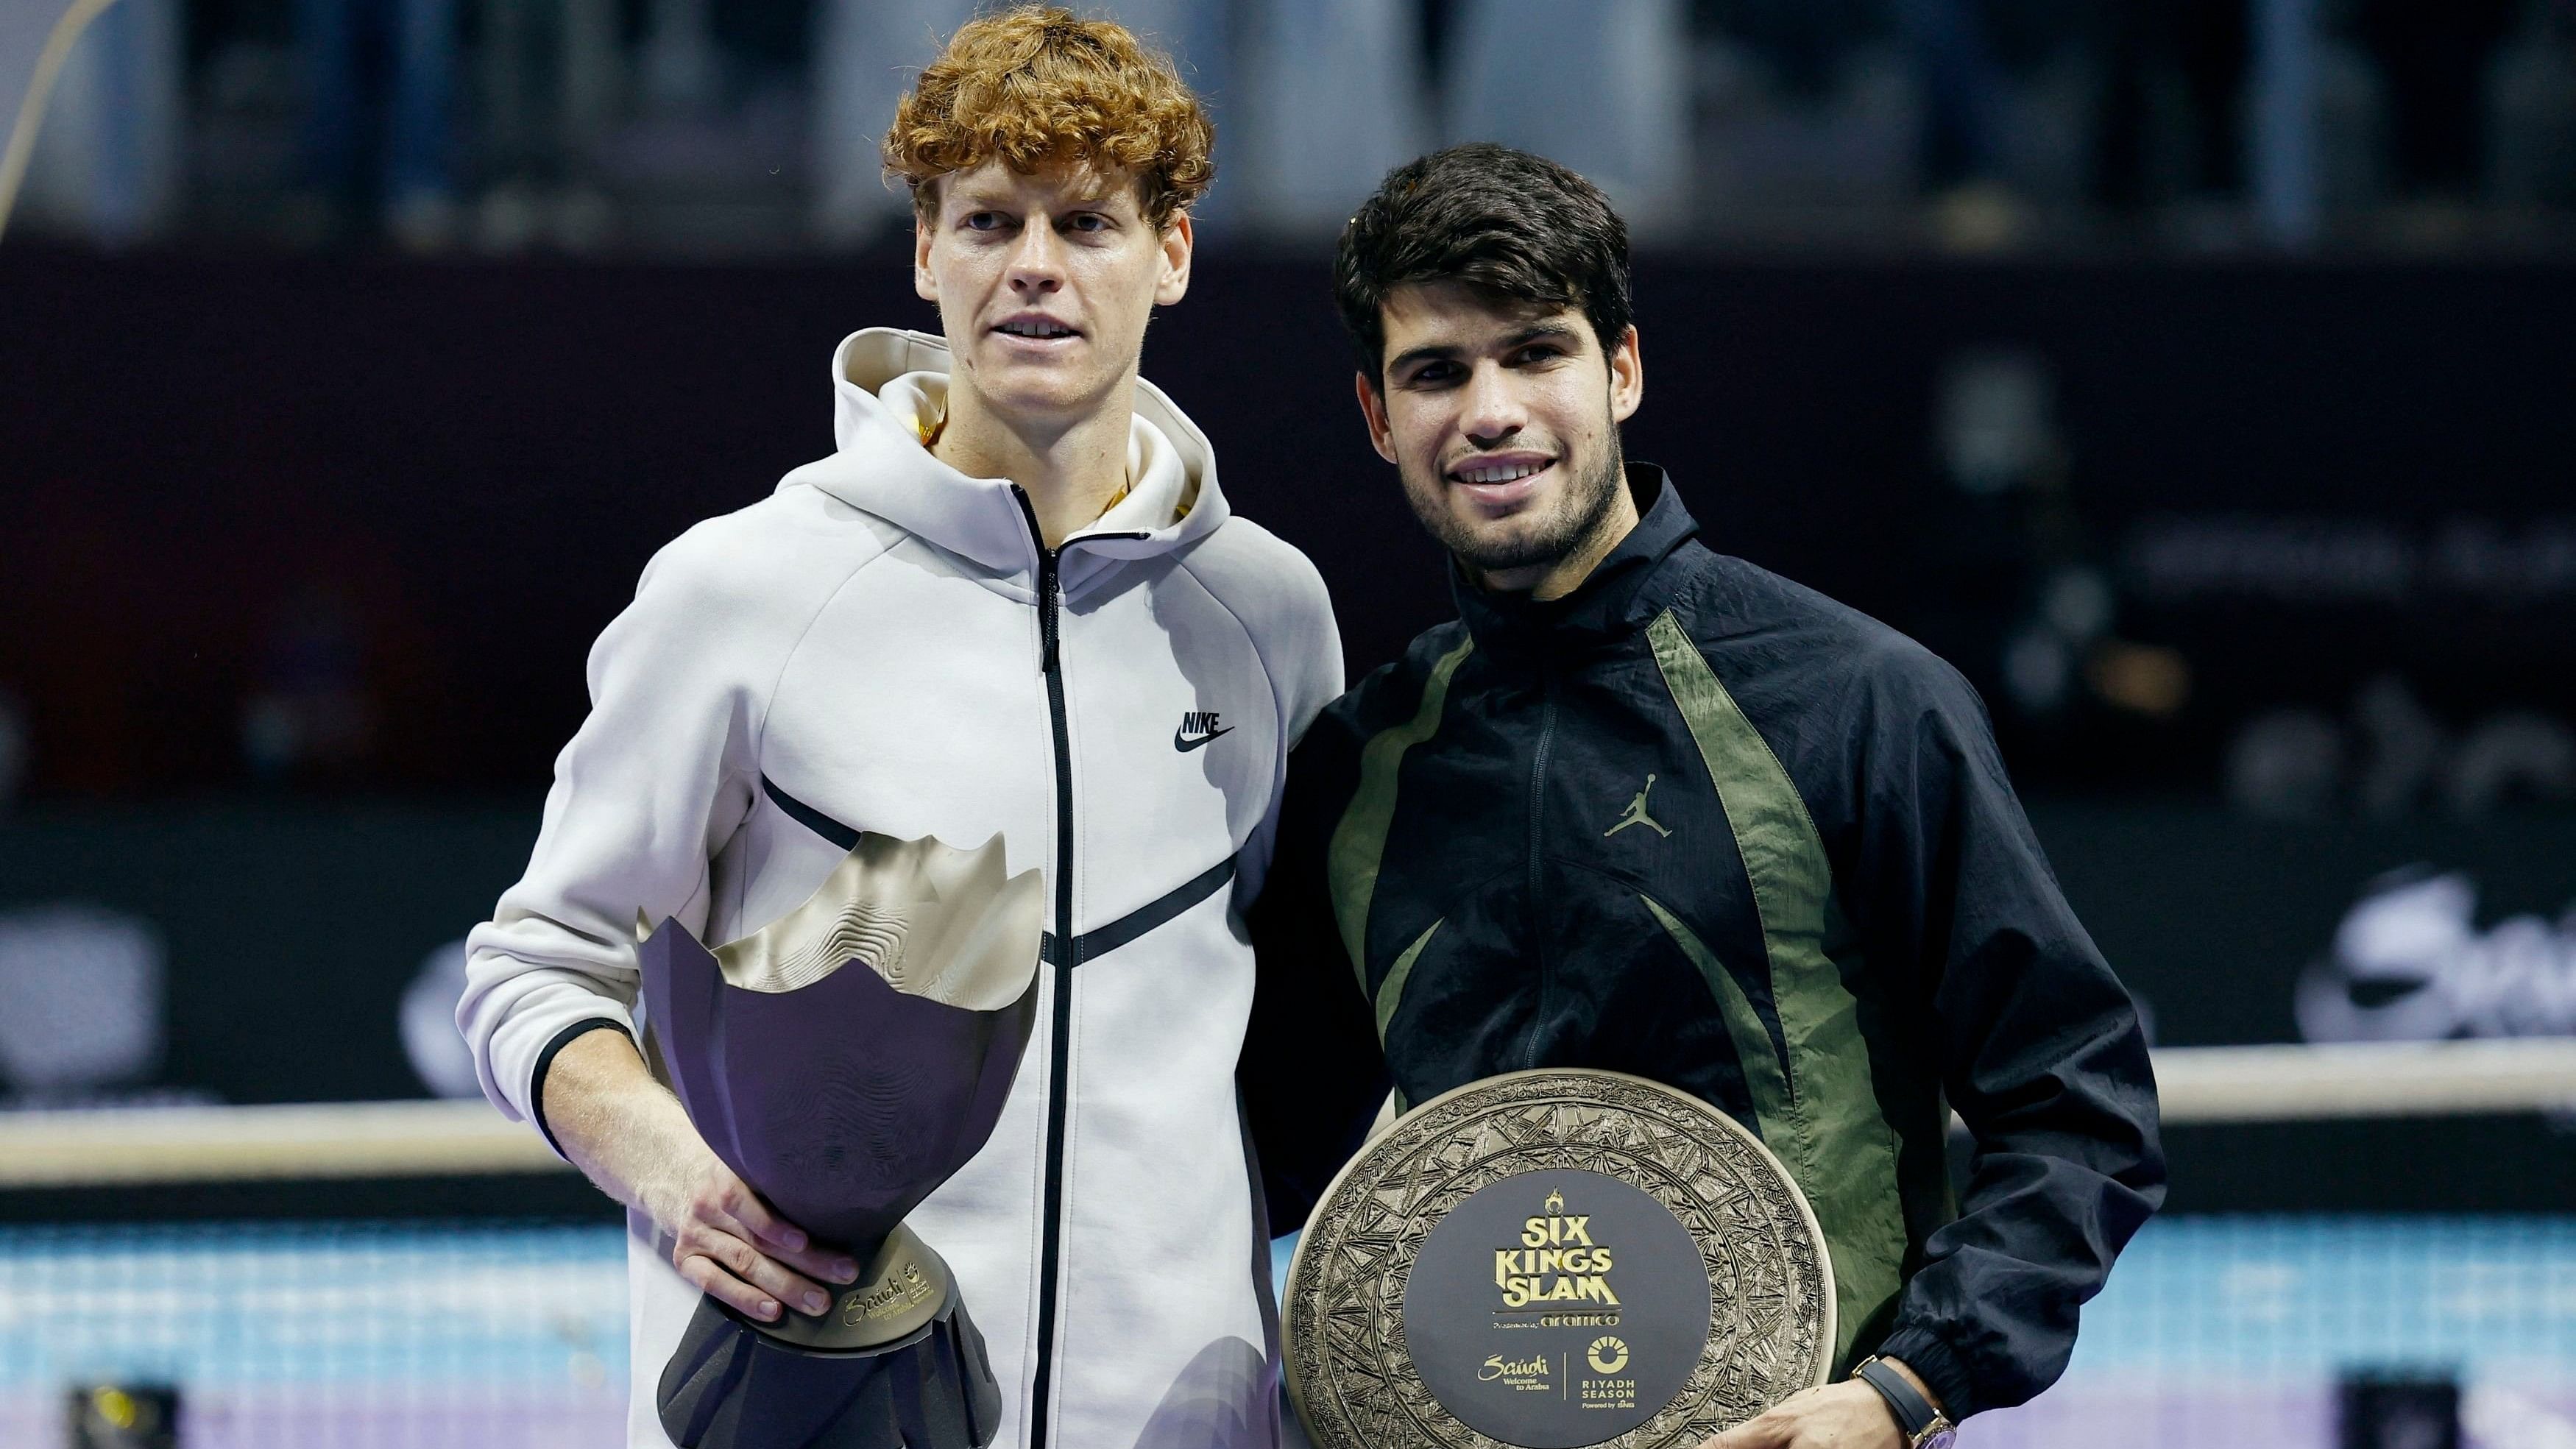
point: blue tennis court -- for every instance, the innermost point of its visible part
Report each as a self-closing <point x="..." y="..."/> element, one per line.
<point x="2216" y="1332"/>
<point x="324" y="1334"/>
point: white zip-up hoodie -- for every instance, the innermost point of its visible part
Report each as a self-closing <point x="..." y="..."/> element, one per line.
<point x="869" y="649"/>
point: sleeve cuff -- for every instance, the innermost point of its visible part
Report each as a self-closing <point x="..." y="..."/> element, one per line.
<point x="1938" y="1367"/>
<point x="546" y="1058"/>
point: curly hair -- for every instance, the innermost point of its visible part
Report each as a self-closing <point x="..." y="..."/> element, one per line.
<point x="1036" y="85"/>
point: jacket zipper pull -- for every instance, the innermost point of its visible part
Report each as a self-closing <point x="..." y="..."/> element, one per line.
<point x="1050" y="581"/>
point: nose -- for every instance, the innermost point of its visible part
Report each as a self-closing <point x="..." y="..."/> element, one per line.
<point x="1037" y="262"/>
<point x="1491" y="408"/>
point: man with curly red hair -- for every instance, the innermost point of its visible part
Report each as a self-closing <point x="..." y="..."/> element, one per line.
<point x="1012" y="601"/>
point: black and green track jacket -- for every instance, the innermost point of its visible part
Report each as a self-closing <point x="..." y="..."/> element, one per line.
<point x="1697" y="823"/>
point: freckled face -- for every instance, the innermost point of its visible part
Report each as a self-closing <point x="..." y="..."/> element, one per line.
<point x="1045" y="283"/>
<point x="1502" y="419"/>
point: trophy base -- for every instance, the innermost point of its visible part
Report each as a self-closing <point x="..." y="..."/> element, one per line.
<point x="900" y="1286"/>
<point x="738" y="1384"/>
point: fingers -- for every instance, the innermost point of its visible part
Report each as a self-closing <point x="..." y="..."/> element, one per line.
<point x="703" y="1274"/>
<point x="729" y="1243"/>
<point x="1842" y="1416"/>
<point x="1769" y="1431"/>
<point x="823" y="1265"/>
<point x="767" y="1273"/>
<point x="732" y="1198"/>
<point x="740" y="1274"/>
<point x="734" y="1207"/>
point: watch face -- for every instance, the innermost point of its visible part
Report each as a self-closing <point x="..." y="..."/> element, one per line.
<point x="1940" y="1436"/>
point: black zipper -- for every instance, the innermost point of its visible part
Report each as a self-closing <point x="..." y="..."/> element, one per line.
<point x="1537" y="832"/>
<point x="1060" y="1029"/>
<point x="1068" y="954"/>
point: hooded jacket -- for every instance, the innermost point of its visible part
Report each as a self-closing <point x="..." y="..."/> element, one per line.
<point x="884" y="644"/>
<point x="1698" y="824"/>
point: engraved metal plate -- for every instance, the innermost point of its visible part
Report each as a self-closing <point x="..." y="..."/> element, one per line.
<point x="1553" y="1259"/>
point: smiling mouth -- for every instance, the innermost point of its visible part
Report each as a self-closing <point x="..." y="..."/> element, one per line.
<point x="1497" y="471"/>
<point x="1040" y="329"/>
<point x="1502" y="483"/>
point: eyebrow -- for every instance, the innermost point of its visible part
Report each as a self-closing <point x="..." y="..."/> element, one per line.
<point x="1436" y="352"/>
<point x="1095" y="195"/>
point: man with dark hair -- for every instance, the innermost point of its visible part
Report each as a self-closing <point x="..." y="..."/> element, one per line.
<point x="1648" y="808"/>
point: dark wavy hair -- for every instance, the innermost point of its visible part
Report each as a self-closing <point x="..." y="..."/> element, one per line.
<point x="1507" y="223"/>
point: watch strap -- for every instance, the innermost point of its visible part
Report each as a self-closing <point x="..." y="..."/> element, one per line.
<point x="1914" y="1413"/>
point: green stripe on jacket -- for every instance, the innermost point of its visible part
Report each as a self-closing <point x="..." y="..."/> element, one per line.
<point x="1359" y="840"/>
<point x="1829" y="1130"/>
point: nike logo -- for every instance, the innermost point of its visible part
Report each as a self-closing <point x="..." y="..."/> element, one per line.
<point x="1197" y="728"/>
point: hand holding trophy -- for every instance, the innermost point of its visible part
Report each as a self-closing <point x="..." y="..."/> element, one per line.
<point x="845" y="1061"/>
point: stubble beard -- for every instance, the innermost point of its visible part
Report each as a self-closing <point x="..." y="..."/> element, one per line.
<point x="1577" y="517"/>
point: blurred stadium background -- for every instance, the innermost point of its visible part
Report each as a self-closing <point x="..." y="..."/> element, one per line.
<point x="2199" y="376"/>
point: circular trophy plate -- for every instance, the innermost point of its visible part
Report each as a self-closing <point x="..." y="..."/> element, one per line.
<point x="1553" y="1259"/>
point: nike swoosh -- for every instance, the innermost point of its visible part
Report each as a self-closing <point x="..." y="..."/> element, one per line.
<point x="1186" y="745"/>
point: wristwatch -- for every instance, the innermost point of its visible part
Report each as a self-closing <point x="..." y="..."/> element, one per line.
<point x="1924" y="1426"/>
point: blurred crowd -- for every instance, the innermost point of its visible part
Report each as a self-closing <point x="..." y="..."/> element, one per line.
<point x="687" y="127"/>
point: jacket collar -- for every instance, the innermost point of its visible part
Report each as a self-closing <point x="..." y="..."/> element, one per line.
<point x="882" y="379"/>
<point x="1622" y="593"/>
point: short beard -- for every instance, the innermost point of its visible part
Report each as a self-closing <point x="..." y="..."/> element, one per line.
<point x="1578" y="518"/>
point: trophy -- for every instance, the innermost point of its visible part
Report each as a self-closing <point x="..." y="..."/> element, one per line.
<point x="845" y="1061"/>
<point x="1555" y="1258"/>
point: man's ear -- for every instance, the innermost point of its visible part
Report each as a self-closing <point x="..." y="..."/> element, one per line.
<point x="1373" y="411"/>
<point x="1627" y="376"/>
<point x="1179" y="244"/>
<point x="925" y="283"/>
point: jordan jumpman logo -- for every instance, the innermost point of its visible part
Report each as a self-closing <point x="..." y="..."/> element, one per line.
<point x="1636" y="814"/>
